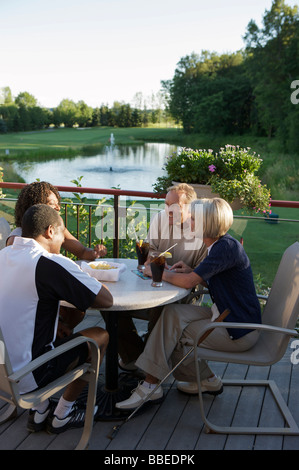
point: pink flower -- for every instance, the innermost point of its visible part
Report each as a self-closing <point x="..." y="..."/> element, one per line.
<point x="212" y="168"/>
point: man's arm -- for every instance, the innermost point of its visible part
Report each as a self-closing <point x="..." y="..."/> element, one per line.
<point x="103" y="299"/>
<point x="10" y="240"/>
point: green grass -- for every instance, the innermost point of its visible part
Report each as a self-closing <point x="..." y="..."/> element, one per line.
<point x="265" y="243"/>
<point x="62" y="141"/>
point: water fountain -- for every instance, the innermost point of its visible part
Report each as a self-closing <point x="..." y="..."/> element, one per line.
<point x="109" y="150"/>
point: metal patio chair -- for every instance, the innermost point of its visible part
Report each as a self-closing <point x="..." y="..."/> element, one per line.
<point x="4" y="232"/>
<point x="9" y="390"/>
<point x="278" y="322"/>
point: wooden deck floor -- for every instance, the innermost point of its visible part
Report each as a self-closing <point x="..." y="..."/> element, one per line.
<point x="175" y="424"/>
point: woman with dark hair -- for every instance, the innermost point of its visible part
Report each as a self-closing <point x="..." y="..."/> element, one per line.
<point x="41" y="192"/>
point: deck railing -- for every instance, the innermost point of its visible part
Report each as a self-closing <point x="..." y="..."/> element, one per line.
<point x="115" y="193"/>
<point x="117" y="215"/>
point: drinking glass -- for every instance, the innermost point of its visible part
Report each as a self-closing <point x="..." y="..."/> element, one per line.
<point x="142" y="249"/>
<point x="157" y="266"/>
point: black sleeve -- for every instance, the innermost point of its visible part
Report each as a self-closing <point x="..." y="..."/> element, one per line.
<point x="55" y="282"/>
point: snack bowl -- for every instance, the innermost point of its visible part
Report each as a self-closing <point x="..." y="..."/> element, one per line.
<point x="103" y="270"/>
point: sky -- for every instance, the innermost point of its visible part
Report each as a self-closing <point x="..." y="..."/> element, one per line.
<point x="101" y="51"/>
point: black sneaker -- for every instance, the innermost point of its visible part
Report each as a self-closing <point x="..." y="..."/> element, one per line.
<point x="37" y="421"/>
<point x="75" y="419"/>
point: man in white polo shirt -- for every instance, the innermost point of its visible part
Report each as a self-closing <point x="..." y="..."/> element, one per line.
<point x="34" y="278"/>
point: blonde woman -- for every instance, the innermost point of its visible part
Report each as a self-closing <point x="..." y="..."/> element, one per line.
<point x="227" y="273"/>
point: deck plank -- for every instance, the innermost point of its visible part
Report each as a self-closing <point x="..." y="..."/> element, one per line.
<point x="248" y="410"/>
<point x="164" y="422"/>
<point x="270" y="415"/>
<point x="175" y="424"/>
<point x="292" y="442"/>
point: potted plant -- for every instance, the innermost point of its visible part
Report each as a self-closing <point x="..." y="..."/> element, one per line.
<point x="229" y="173"/>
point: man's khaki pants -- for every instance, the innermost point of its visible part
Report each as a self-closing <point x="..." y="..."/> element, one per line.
<point x="170" y="341"/>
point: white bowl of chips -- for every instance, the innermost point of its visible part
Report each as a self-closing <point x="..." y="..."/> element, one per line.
<point x="103" y="270"/>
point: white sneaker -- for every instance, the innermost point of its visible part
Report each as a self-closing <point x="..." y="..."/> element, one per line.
<point x="213" y="387"/>
<point x="138" y="396"/>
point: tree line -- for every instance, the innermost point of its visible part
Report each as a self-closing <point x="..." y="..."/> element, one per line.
<point x="24" y="114"/>
<point x="253" y="90"/>
<point x="248" y="91"/>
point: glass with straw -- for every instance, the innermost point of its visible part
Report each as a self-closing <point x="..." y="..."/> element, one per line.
<point x="142" y="249"/>
<point x="157" y="263"/>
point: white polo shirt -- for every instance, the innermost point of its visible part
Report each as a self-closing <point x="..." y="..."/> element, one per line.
<point x="32" y="282"/>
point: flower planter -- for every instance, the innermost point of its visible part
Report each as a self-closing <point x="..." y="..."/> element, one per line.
<point x="231" y="171"/>
<point x="205" y="191"/>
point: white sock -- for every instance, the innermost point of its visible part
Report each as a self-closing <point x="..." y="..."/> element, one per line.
<point x="41" y="407"/>
<point x="63" y="408"/>
<point x="211" y="379"/>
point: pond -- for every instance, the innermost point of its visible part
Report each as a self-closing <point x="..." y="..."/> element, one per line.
<point x="127" y="167"/>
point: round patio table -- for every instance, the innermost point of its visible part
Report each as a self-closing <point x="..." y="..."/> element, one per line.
<point x="131" y="292"/>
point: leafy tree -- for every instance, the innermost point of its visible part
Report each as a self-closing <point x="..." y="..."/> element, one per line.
<point x="84" y="114"/>
<point x="96" y="117"/>
<point x="210" y="93"/>
<point x="6" y="96"/>
<point x="180" y="90"/>
<point x="9" y="114"/>
<point x="3" y="128"/>
<point x="105" y="119"/>
<point x="39" y="117"/>
<point x="23" y="120"/>
<point x="272" y="63"/>
<point x="26" y="100"/>
<point x="121" y="114"/>
<point x="136" y="117"/>
<point x="65" y="113"/>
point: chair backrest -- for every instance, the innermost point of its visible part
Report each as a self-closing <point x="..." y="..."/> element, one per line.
<point x="4" y="232"/>
<point x="282" y="308"/>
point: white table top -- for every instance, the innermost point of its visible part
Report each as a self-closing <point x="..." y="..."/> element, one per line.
<point x="131" y="292"/>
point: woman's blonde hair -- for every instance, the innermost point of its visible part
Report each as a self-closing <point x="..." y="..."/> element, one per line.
<point x="217" y="216"/>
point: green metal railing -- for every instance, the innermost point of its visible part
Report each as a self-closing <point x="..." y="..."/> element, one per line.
<point x="264" y="239"/>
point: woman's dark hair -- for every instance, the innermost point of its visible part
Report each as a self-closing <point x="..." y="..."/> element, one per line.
<point x="37" y="219"/>
<point x="34" y="193"/>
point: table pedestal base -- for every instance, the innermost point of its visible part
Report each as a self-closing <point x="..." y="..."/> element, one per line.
<point x="114" y="387"/>
<point x="106" y="399"/>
